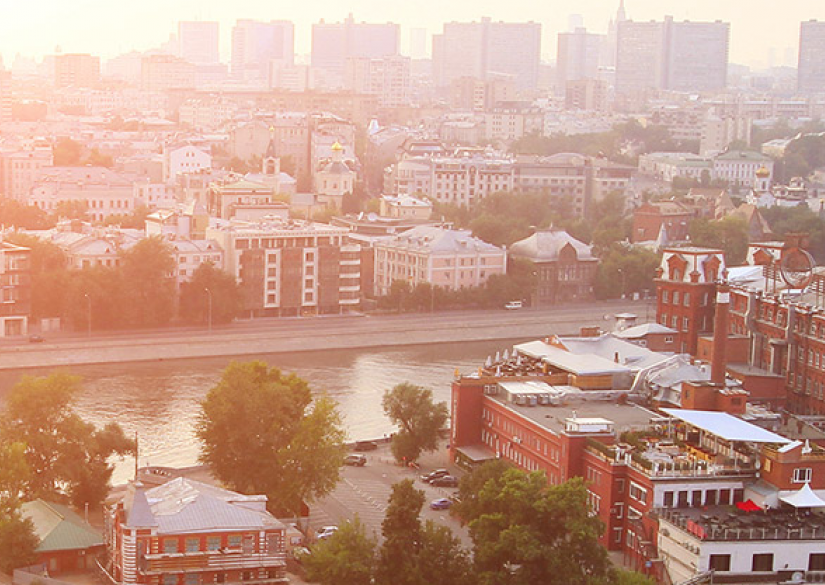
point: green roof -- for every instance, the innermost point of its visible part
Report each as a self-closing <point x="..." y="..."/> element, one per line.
<point x="743" y="155"/>
<point x="58" y="527"/>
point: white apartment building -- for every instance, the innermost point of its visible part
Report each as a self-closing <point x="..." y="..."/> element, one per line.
<point x="291" y="267"/>
<point x="512" y="123"/>
<point x="206" y="114"/>
<point x="183" y="160"/>
<point x="443" y="257"/>
<point x="387" y="77"/>
<point x="739" y="167"/>
<point x="191" y="254"/>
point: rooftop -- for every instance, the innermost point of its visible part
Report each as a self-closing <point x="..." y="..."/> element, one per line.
<point x="725" y="426"/>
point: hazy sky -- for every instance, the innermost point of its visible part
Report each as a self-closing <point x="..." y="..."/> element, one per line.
<point x="110" y="27"/>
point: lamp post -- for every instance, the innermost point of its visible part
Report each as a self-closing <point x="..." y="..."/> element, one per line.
<point x="209" y="309"/>
<point x="88" y="314"/>
<point x="621" y="272"/>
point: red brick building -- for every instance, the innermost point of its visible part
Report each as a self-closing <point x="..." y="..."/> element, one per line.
<point x="686" y="283"/>
<point x="15" y="289"/>
<point x="189" y="533"/>
<point x="651" y="217"/>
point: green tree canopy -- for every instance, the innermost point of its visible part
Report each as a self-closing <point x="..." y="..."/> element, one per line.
<point x="729" y="234"/>
<point x="348" y="556"/>
<point x="624" y="267"/>
<point x="261" y="432"/>
<point x="16" y="214"/>
<point x="528" y="532"/>
<point x="194" y="298"/>
<point x="148" y="269"/>
<point x="18" y="541"/>
<point x="799" y="219"/>
<point x="418" y="418"/>
<point x="65" y="456"/>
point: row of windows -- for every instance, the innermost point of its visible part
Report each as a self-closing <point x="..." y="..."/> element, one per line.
<point x="763" y="562"/>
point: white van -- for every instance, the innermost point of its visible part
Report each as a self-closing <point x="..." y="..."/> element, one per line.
<point x="513" y="305"/>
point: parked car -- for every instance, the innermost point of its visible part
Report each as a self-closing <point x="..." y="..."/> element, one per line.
<point x="36" y="339"/>
<point x="441" y="504"/>
<point x="513" y="305"/>
<point x="428" y="477"/>
<point x="366" y="446"/>
<point x="445" y="481"/>
<point x="355" y="459"/>
<point x="325" y="532"/>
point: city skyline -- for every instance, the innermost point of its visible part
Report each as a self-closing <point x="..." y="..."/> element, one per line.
<point x="71" y="28"/>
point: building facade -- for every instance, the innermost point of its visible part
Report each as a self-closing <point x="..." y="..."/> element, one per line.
<point x="811" y="66"/>
<point x="15" y="288"/>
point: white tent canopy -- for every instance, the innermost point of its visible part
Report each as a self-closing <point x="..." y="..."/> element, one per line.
<point x="725" y="426"/>
<point x="804" y="498"/>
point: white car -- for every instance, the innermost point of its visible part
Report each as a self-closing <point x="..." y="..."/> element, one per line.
<point x="325" y="532"/>
<point x="513" y="305"/>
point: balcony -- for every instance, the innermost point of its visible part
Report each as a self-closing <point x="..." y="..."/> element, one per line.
<point x="209" y="560"/>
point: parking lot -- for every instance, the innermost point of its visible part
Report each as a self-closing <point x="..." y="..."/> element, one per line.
<point x="365" y="491"/>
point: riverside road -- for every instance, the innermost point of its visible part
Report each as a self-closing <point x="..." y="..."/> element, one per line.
<point x="263" y="336"/>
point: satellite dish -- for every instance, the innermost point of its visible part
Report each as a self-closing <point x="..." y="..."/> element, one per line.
<point x="372" y="216"/>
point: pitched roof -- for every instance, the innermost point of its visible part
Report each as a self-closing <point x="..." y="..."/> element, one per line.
<point x="546" y="245"/>
<point x="185" y="506"/>
<point x="438" y="239"/>
<point x="58" y="527"/>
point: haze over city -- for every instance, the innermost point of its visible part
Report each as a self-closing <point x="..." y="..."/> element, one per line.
<point x="109" y="28"/>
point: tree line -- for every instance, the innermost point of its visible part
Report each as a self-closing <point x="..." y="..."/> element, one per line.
<point x="139" y="290"/>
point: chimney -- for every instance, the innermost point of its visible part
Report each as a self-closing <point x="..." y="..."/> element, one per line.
<point x="720" y="334"/>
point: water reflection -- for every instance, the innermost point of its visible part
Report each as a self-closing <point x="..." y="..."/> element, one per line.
<point x="160" y="400"/>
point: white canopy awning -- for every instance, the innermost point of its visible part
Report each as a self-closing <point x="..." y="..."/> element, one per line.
<point x="804" y="498"/>
<point x="725" y="426"/>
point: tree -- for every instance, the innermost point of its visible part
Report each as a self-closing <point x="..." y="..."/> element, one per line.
<point x="624" y="577"/>
<point x="411" y="408"/>
<point x="470" y="486"/>
<point x="625" y="270"/>
<point x="67" y="153"/>
<point x="401" y="528"/>
<point x="223" y="292"/>
<point x="29" y="217"/>
<point x="147" y="269"/>
<point x="48" y="275"/>
<point x="348" y="556"/>
<point x="261" y="432"/>
<point x="71" y="209"/>
<point x="528" y="532"/>
<point x="66" y="457"/>
<point x="729" y="234"/>
<point x="442" y="560"/>
<point x="18" y="541"/>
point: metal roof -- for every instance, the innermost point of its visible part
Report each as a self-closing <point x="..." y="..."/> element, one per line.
<point x="725" y="426"/>
<point x="582" y="364"/>
<point x="58" y="527"/>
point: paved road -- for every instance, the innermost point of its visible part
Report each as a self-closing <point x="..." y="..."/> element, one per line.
<point x="315" y="333"/>
<point x="365" y="491"/>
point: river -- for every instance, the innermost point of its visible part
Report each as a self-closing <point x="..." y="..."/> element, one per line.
<point x="160" y="400"/>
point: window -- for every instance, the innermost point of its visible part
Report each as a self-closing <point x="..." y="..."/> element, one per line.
<point x="220" y="577"/>
<point x="235" y="540"/>
<point x="686" y="299"/>
<point x="637" y="492"/>
<point x="213" y="543"/>
<point x="665" y="296"/>
<point x="668" y="499"/>
<point x="676" y="297"/>
<point x="762" y="562"/>
<point x="192" y="579"/>
<point x="719" y="563"/>
<point x="170" y="545"/>
<point x="816" y="562"/>
<point x="802" y="474"/>
<point x="668" y="339"/>
<point x="193" y="544"/>
<point x="170" y="580"/>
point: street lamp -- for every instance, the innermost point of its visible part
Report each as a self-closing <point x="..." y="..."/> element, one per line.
<point x="209" y="310"/>
<point x="624" y="279"/>
<point x="88" y="314"/>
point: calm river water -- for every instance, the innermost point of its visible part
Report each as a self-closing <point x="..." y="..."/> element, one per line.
<point x="160" y="401"/>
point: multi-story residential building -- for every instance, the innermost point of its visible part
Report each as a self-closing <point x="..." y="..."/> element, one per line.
<point x="206" y="114"/>
<point x="811" y="72"/>
<point x="198" y="41"/>
<point x="679" y="56"/>
<point x="20" y="169"/>
<point x="101" y="190"/>
<point x="741" y="168"/>
<point x="512" y="121"/>
<point x="184" y="159"/>
<point x="257" y="46"/>
<point x="291" y="267"/>
<point x="464" y="180"/>
<point x="587" y="94"/>
<point x="76" y="70"/>
<point x="154" y="195"/>
<point x="406" y="207"/>
<point x="387" y="77"/>
<point x="5" y="96"/>
<point x="164" y="72"/>
<point x="184" y="532"/>
<point x="443" y="257"/>
<point x="484" y="49"/>
<point x="565" y="268"/>
<point x="578" y="56"/>
<point x="334" y="43"/>
<point x="189" y="255"/>
<point x="666" y="166"/>
<point x="686" y="281"/>
<point x="15" y="289"/>
<point x="226" y="197"/>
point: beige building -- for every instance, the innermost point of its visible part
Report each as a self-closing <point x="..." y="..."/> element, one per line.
<point x="163" y="72"/>
<point x="443" y="257"/>
<point x="334" y="179"/>
<point x="405" y="207"/>
<point x="19" y="170"/>
<point x="76" y="70"/>
<point x="104" y="192"/>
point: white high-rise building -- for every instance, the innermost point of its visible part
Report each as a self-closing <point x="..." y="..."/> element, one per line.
<point x="258" y="46"/>
<point x="198" y="42"/>
<point x="488" y="49"/>
<point x="811" y="77"/>
<point x="387" y="77"/>
<point x="578" y="56"/>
